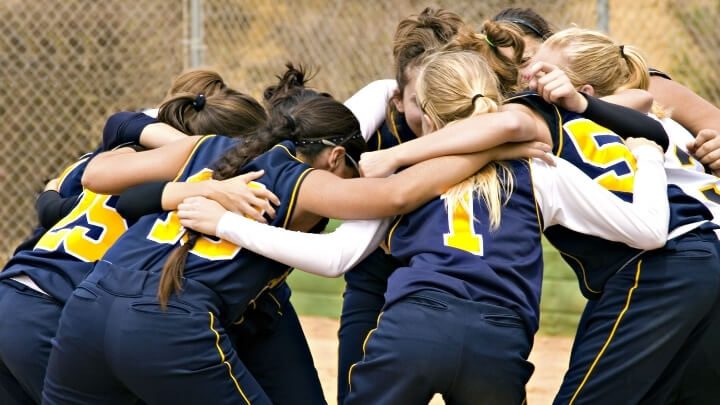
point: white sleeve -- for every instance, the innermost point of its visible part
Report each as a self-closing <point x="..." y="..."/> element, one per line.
<point x="330" y="254"/>
<point x="566" y="196"/>
<point x="369" y="105"/>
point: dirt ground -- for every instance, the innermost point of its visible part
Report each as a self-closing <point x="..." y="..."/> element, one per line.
<point x="550" y="356"/>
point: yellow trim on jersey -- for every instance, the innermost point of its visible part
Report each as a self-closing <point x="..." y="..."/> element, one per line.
<point x="367" y="337"/>
<point x="393" y="128"/>
<point x="68" y="169"/>
<point x="291" y="205"/>
<point x="389" y="235"/>
<point x="379" y="138"/>
<point x="190" y="156"/>
<point x="612" y="333"/>
<point x="222" y="358"/>
<point x="288" y="152"/>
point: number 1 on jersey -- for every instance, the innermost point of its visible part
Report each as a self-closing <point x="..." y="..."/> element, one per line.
<point x="462" y="231"/>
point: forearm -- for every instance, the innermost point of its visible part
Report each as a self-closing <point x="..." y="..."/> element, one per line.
<point x="688" y="109"/>
<point x="625" y="122"/>
<point x="638" y="100"/>
<point x="580" y="204"/>
<point x="474" y="134"/>
<point x="328" y="255"/>
<point x="51" y="207"/>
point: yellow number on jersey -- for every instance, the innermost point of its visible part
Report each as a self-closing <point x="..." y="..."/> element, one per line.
<point x="462" y="232"/>
<point x="169" y="230"/>
<point x="585" y="135"/>
<point x="74" y="238"/>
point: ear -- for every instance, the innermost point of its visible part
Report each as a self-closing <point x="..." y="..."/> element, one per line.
<point x="336" y="158"/>
<point x="587" y="89"/>
<point x="397" y="100"/>
<point x="427" y="125"/>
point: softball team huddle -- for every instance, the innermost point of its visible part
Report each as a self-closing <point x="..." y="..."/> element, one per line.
<point x="159" y="274"/>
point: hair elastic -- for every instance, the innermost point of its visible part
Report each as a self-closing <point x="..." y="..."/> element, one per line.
<point x="199" y="102"/>
<point x="622" y="51"/>
<point x="489" y="41"/>
<point x="475" y="97"/>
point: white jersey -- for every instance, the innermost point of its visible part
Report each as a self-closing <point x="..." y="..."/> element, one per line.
<point x="687" y="172"/>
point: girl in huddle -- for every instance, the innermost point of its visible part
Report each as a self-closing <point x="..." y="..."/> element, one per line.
<point x="42" y="279"/>
<point x="588" y="136"/>
<point x="205" y="285"/>
<point x="577" y="51"/>
<point x="460" y="314"/>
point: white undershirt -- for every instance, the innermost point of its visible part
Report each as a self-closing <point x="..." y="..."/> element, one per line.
<point x="564" y="194"/>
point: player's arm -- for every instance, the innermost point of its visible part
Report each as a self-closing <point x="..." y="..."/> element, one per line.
<point x="324" y="194"/>
<point x="234" y="194"/>
<point x="474" y="134"/>
<point x="329" y="255"/>
<point x="369" y="105"/>
<point x="114" y="171"/>
<point x="555" y="87"/>
<point x="137" y="128"/>
<point x="690" y="110"/>
<point x="51" y="207"/>
<point x="567" y="197"/>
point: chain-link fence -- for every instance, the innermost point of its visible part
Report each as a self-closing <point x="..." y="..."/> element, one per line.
<point x="66" y="65"/>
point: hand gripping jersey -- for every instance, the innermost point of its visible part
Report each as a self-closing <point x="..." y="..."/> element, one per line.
<point x="65" y="253"/>
<point x="392" y="132"/>
<point x="453" y="250"/>
<point x="236" y="277"/>
<point x="602" y="155"/>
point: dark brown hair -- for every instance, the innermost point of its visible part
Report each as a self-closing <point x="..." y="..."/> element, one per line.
<point x="297" y="114"/>
<point x="417" y="34"/>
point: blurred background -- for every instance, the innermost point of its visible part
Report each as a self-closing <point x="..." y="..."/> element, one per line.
<point x="66" y="65"/>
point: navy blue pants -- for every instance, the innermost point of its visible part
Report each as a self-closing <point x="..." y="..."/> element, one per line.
<point x="363" y="301"/>
<point x="27" y="324"/>
<point x="432" y="342"/>
<point x="115" y="344"/>
<point x="635" y="341"/>
<point x="270" y="342"/>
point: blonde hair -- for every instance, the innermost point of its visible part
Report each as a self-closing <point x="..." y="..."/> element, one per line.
<point x="456" y="85"/>
<point x="594" y="58"/>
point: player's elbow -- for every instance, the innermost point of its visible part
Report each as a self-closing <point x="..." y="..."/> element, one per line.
<point x="654" y="238"/>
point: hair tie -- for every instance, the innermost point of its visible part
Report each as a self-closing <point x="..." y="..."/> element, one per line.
<point x="475" y="97"/>
<point x="489" y="41"/>
<point x="622" y="51"/>
<point x="199" y="102"/>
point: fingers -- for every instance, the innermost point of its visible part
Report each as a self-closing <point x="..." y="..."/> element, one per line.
<point x="266" y="194"/>
<point x="250" y="176"/>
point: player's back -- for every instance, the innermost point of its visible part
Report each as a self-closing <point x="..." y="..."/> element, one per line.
<point x="456" y="251"/>
<point x="237" y="278"/>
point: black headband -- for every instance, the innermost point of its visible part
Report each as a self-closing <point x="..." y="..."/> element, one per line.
<point x="524" y="23"/>
<point x="338" y="140"/>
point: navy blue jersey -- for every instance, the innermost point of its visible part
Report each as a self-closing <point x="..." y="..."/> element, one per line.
<point x="602" y="155"/>
<point x="392" y="132"/>
<point x="65" y="253"/>
<point x="455" y="251"/>
<point x="70" y="181"/>
<point x="237" y="277"/>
